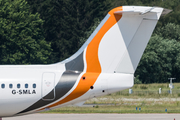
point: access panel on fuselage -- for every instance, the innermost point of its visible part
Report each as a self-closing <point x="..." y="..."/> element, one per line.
<point x="48" y="90"/>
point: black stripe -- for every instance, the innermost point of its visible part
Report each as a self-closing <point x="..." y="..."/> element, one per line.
<point x="66" y="82"/>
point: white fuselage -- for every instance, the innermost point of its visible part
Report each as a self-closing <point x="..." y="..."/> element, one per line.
<point x="22" y="86"/>
<point x="15" y="98"/>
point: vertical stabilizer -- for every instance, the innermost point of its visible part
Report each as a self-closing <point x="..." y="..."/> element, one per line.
<point x="118" y="42"/>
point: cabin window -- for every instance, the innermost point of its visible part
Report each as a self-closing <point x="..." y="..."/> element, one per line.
<point x="34" y="85"/>
<point x="18" y="85"/>
<point x="26" y="85"/>
<point x="10" y="86"/>
<point x="3" y="86"/>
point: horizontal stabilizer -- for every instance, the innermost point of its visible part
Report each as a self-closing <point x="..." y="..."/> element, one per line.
<point x="165" y="11"/>
<point x="141" y="12"/>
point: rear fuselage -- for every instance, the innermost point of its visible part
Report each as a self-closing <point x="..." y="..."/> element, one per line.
<point x="27" y="89"/>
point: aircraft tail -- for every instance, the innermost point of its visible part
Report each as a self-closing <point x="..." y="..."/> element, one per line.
<point x="118" y="43"/>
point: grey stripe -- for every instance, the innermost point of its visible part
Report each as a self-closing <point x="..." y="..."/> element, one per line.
<point x="66" y="82"/>
<point x="77" y="64"/>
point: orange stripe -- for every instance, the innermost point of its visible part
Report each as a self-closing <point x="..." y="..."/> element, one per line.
<point x="92" y="59"/>
<point x="93" y="65"/>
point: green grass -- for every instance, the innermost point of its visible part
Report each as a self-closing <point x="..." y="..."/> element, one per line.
<point x="144" y="96"/>
<point x="119" y="109"/>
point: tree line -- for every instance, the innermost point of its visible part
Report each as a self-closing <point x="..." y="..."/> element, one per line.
<point x="48" y="31"/>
